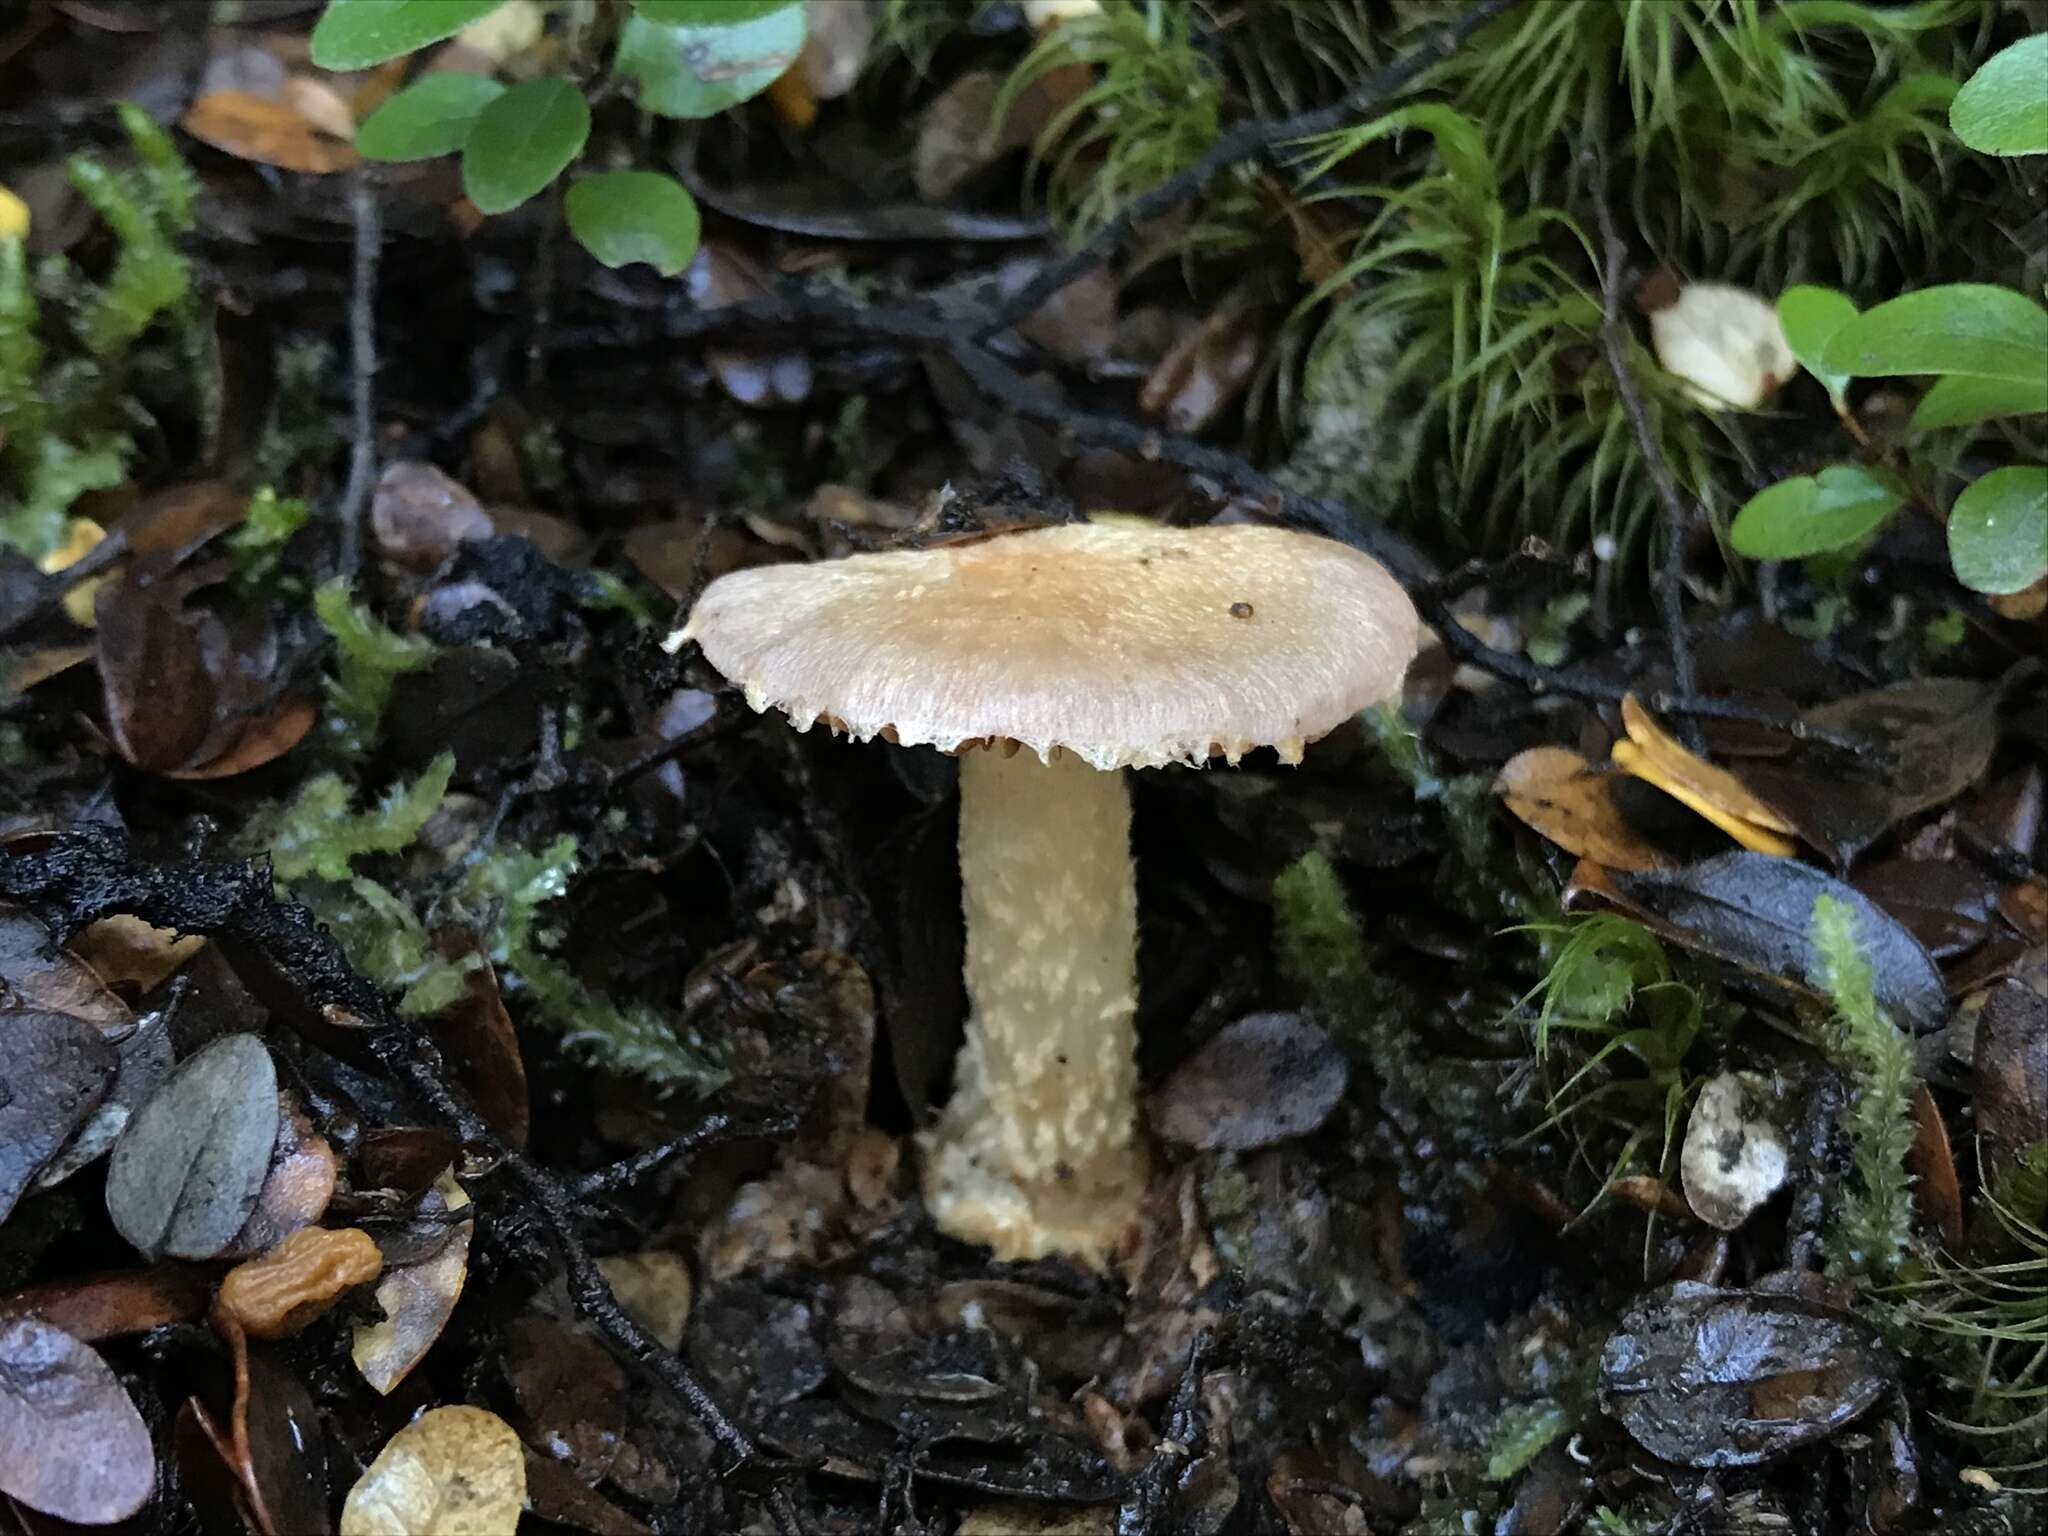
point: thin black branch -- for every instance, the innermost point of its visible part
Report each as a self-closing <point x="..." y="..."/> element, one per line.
<point x="1248" y="143"/>
<point x="362" y="344"/>
<point x="629" y="1171"/>
<point x="82" y="876"/>
<point x="1144" y="1505"/>
<point x="50" y="591"/>
<point x="1677" y="516"/>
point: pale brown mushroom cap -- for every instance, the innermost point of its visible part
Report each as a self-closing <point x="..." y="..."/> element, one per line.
<point x="1127" y="646"/>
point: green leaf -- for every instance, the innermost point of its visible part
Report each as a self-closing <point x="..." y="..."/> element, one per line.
<point x="2003" y="108"/>
<point x="622" y="217"/>
<point x="521" y="142"/>
<point x="1998" y="531"/>
<point x="698" y="71"/>
<point x="430" y="117"/>
<point x="1967" y="328"/>
<point x="707" y="13"/>
<point x="1810" y="515"/>
<point x="1810" y="316"/>
<point x="354" y="34"/>
<point x="1960" y="401"/>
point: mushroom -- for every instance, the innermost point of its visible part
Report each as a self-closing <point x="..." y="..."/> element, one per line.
<point x="1047" y="661"/>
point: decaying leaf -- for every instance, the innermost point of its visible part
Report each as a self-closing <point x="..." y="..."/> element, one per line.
<point x="1937" y="1192"/>
<point x="418" y="514"/>
<point x="1206" y="370"/>
<point x="272" y="1443"/>
<point x="37" y="972"/>
<point x="481" y="1047"/>
<point x="275" y="131"/>
<point x="654" y="1288"/>
<point x="1754" y="910"/>
<point x="186" y="1172"/>
<point x="71" y="1443"/>
<point x="2010" y="1067"/>
<point x="417" y="1297"/>
<point x="106" y="1306"/>
<point x="1718" y="1378"/>
<point x="1559" y="794"/>
<point x="144" y="1062"/>
<point x="1266" y="1078"/>
<point x="297" y="1184"/>
<point x="126" y="949"/>
<point x="54" y="1070"/>
<point x="452" y="1471"/>
<point x="1734" y="1158"/>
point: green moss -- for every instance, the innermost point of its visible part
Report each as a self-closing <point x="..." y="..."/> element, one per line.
<point x="369" y="659"/>
<point x="1873" y="1223"/>
<point x="1520" y="1434"/>
<point x="317" y="836"/>
<point x="1319" y="946"/>
<point x="255" y="548"/>
<point x="64" y="422"/>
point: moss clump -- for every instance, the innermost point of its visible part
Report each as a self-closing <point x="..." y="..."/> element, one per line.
<point x="369" y="659"/>
<point x="1873" y="1224"/>
<point x="64" y="423"/>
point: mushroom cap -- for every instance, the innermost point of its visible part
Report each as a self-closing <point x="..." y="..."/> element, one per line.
<point x="1125" y="645"/>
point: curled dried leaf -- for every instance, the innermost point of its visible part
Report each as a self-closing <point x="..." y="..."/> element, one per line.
<point x="299" y="1279"/>
<point x="418" y="1298"/>
<point x="1557" y="793"/>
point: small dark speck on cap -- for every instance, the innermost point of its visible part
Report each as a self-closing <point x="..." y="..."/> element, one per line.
<point x="1240" y="610"/>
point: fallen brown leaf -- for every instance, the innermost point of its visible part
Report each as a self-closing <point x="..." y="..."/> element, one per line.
<point x="1555" y="791"/>
<point x="268" y="132"/>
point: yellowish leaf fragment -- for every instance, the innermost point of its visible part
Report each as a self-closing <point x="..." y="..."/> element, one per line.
<point x="451" y="1472"/>
<point x="1654" y="756"/>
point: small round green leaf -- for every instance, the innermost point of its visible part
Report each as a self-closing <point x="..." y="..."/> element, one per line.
<point x="521" y="142"/>
<point x="1811" y="515"/>
<point x="430" y="117"/>
<point x="1957" y="400"/>
<point x="1809" y="316"/>
<point x="622" y="217"/>
<point x="708" y="13"/>
<point x="699" y="71"/>
<point x="354" y="34"/>
<point x="2003" y="108"/>
<point x="1968" y="328"/>
<point x="1998" y="530"/>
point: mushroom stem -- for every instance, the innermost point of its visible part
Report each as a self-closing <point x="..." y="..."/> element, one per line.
<point x="1038" y="1149"/>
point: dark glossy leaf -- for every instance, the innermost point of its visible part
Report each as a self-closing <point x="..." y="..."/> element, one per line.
<point x="354" y="34"/>
<point x="71" y="1443"/>
<point x="1938" y="734"/>
<point x="37" y="972"/>
<point x="1754" y="909"/>
<point x="187" y="1171"/>
<point x="1266" y="1078"/>
<point x="54" y="1070"/>
<point x="1945" y="904"/>
<point x="432" y="116"/>
<point x="145" y="1060"/>
<point x="521" y="142"/>
<point x="1714" y="1378"/>
<point x="622" y="217"/>
<point x="1998" y="530"/>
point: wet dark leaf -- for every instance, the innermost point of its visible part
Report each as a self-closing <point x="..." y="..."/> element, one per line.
<point x="569" y="1392"/>
<point x="94" y="1307"/>
<point x="482" y="1049"/>
<point x="54" y="1070"/>
<point x="1753" y="909"/>
<point x="144" y="1062"/>
<point x="1936" y="1191"/>
<point x="1206" y="371"/>
<point x="418" y="1295"/>
<point x="37" y="972"/>
<point x="187" y="1171"/>
<point x="2011" y="1072"/>
<point x="1713" y="1378"/>
<point x="71" y="1444"/>
<point x="153" y="674"/>
<point x="418" y="514"/>
<point x="1265" y="1078"/>
<point x="1945" y="904"/>
<point x="297" y="1184"/>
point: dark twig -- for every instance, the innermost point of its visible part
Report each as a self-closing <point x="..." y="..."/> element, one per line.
<point x="362" y="345"/>
<point x="1677" y="520"/>
<point x="84" y="875"/>
<point x="1248" y="143"/>
<point x="1144" y="1503"/>
<point x="629" y="1171"/>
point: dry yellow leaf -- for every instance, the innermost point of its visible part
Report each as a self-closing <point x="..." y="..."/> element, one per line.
<point x="451" y="1472"/>
<point x="81" y="535"/>
<point x="1555" y="791"/>
<point x="654" y="1288"/>
<point x="123" y="948"/>
<point x="1701" y="780"/>
<point x="13" y="216"/>
<point x="251" y="127"/>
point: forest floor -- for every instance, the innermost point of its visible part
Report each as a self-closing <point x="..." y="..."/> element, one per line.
<point x="1603" y="1090"/>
